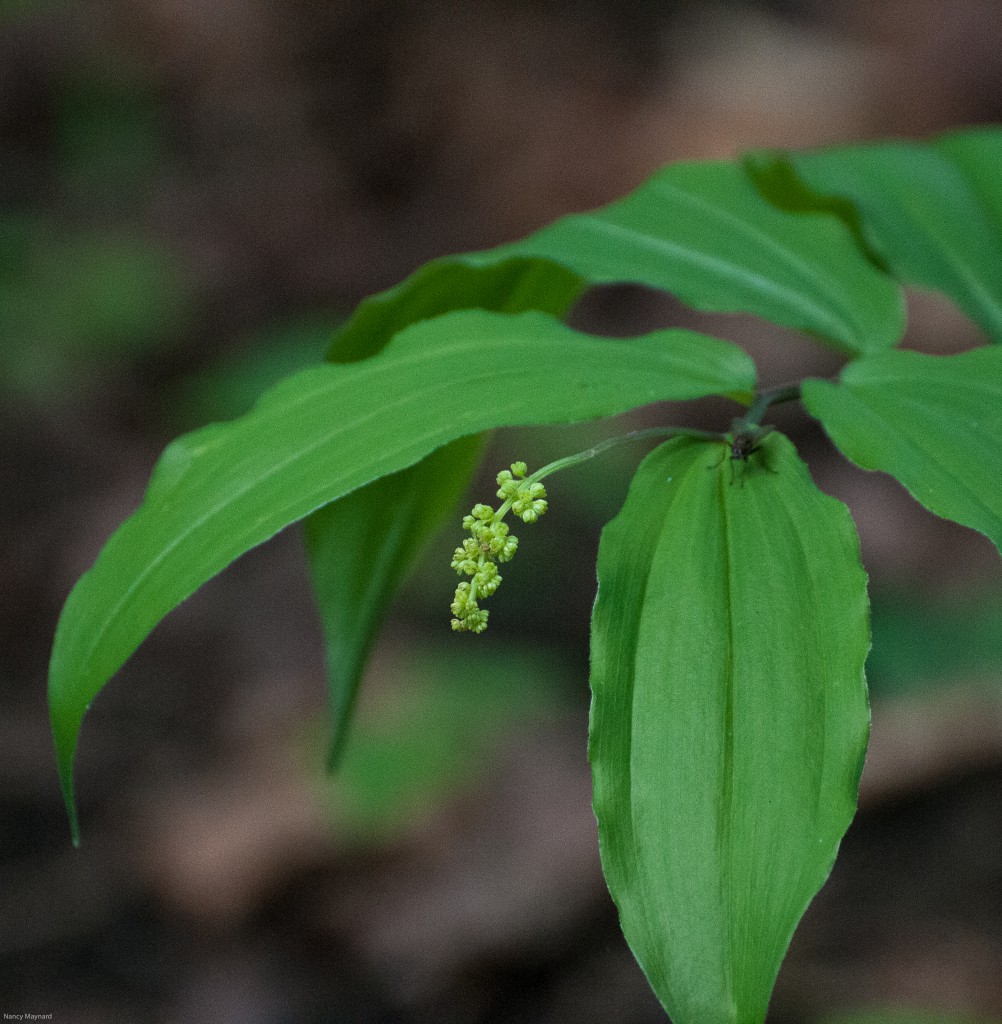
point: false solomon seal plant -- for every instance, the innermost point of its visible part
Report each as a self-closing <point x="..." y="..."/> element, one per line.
<point x="729" y="711"/>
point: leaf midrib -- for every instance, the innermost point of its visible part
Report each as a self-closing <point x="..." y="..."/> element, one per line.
<point x="509" y="371"/>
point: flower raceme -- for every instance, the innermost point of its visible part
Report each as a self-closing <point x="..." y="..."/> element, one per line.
<point x="490" y="542"/>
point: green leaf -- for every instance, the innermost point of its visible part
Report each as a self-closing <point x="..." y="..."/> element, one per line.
<point x="978" y="154"/>
<point x="933" y="422"/>
<point x="931" y="212"/>
<point x="729" y="715"/>
<point x="326" y="431"/>
<point x="362" y="547"/>
<point x="503" y="285"/>
<point x="702" y="232"/>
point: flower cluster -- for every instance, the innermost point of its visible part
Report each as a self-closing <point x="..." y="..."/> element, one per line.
<point x="490" y="542"/>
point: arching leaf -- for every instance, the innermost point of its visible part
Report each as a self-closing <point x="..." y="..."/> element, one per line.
<point x="698" y="230"/>
<point x="361" y="549"/>
<point x="324" y="432"/>
<point x="701" y="231"/>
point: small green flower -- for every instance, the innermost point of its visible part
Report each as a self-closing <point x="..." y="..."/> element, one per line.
<point x="468" y="617"/>
<point x="491" y="542"/>
<point x="530" y="503"/>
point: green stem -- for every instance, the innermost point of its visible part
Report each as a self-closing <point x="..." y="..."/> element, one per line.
<point x="752" y="419"/>
<point x="611" y="442"/>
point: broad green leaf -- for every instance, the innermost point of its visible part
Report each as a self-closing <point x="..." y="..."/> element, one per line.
<point x="931" y="212"/>
<point x="327" y="431"/>
<point x="776" y="179"/>
<point x="729" y="715"/>
<point x="361" y="548"/>
<point x="702" y="232"/>
<point x="933" y="422"/>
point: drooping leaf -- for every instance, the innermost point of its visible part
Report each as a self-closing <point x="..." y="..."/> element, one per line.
<point x="326" y="431"/>
<point x="933" y="422"/>
<point x="361" y="548"/>
<point x="931" y="212"/>
<point x="729" y="715"/>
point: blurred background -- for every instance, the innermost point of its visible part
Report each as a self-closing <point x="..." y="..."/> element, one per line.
<point x="193" y="194"/>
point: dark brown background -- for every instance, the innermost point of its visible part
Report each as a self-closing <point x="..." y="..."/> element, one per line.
<point x="193" y="192"/>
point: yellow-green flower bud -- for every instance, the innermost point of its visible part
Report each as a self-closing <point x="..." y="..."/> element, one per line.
<point x="487" y="579"/>
<point x="490" y="542"/>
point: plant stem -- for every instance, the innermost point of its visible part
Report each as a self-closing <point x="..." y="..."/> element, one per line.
<point x="752" y="419"/>
<point x="611" y="442"/>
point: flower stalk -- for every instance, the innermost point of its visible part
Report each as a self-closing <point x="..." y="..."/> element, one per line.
<point x="491" y="542"/>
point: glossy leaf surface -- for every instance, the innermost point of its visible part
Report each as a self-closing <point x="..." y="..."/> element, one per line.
<point x="933" y="422"/>
<point x="324" y="432"/>
<point x="729" y="715"/>
<point x="931" y="212"/>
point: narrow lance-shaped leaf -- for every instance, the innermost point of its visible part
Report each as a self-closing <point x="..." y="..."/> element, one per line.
<point x="360" y="550"/>
<point x="933" y="422"/>
<point x="319" y="435"/>
<point x="729" y="715"/>
<point x="930" y="210"/>
<point x="361" y="547"/>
